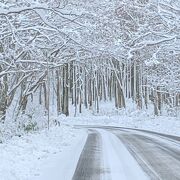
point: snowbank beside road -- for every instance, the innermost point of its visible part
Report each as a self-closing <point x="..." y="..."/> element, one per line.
<point x="23" y="158"/>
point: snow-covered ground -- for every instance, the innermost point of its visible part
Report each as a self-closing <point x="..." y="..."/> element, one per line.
<point x="129" y="117"/>
<point x="26" y="157"/>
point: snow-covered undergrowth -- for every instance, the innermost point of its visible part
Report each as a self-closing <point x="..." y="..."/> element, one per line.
<point x="34" y="119"/>
<point x="21" y="158"/>
<point x="131" y="118"/>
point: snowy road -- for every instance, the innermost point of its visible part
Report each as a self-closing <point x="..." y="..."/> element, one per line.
<point x="115" y="153"/>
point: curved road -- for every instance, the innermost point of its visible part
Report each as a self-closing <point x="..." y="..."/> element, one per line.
<point x="157" y="155"/>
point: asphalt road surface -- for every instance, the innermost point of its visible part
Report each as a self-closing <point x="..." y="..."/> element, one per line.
<point x="89" y="165"/>
<point x="156" y="154"/>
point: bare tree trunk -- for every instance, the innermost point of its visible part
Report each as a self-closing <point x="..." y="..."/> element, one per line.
<point x="40" y="95"/>
<point x="24" y="103"/>
<point x="85" y="90"/>
<point x="146" y="95"/>
<point x="75" y="90"/>
<point x="58" y="92"/>
<point x="3" y="96"/>
<point x="65" y="105"/>
<point x="134" y="92"/>
<point x="90" y="94"/>
<point x="45" y="96"/>
<point x="97" y="92"/>
<point x="159" y="99"/>
<point x="156" y="110"/>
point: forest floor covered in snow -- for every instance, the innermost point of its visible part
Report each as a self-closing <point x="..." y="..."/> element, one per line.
<point x="130" y="117"/>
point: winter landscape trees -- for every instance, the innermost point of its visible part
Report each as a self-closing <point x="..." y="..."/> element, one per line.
<point x="60" y="53"/>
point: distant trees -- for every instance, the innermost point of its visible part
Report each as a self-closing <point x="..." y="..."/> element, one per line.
<point x="152" y="43"/>
<point x="95" y="51"/>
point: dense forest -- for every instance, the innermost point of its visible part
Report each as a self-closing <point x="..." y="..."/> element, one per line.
<point x="83" y="52"/>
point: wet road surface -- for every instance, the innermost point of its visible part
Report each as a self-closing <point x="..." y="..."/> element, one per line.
<point x="89" y="165"/>
<point x="158" y="155"/>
